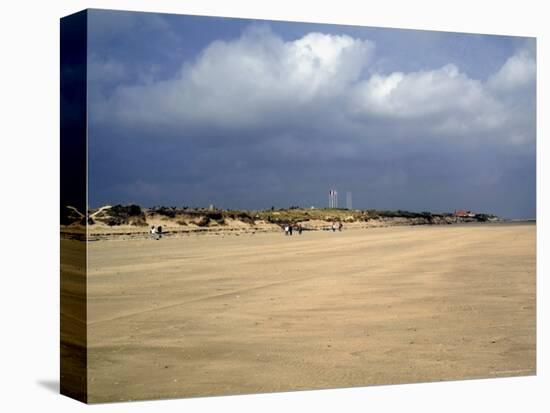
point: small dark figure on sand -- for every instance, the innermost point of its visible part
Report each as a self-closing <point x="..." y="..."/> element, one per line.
<point x="156" y="233"/>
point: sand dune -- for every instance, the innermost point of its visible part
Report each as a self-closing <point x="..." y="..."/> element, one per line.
<point x="199" y="315"/>
<point x="132" y="221"/>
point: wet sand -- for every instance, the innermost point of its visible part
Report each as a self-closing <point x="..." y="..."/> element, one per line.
<point x="217" y="315"/>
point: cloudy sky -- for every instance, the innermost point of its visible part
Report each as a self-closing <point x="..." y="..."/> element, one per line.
<point x="251" y="114"/>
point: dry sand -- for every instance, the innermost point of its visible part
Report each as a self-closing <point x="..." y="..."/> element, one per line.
<point x="212" y="315"/>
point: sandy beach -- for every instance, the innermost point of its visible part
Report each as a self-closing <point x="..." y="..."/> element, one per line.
<point x="229" y="314"/>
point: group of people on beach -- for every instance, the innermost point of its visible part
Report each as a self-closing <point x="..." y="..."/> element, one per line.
<point x="288" y="228"/>
<point x="156" y="232"/>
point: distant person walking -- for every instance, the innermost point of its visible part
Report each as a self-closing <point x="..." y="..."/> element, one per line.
<point x="340" y="226"/>
<point x="286" y="229"/>
<point x="334" y="227"/>
<point x="300" y="229"/>
<point x="290" y="229"/>
<point x="156" y="233"/>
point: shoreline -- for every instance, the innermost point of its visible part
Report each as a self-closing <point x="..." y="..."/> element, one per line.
<point x="133" y="221"/>
<point x="131" y="232"/>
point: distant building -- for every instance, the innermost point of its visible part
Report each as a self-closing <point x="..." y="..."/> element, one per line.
<point x="463" y="213"/>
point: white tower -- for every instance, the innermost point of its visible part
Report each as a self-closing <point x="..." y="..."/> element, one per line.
<point x="348" y="200"/>
<point x="333" y="198"/>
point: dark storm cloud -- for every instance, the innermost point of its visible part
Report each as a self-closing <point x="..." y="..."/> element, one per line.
<point x="276" y="114"/>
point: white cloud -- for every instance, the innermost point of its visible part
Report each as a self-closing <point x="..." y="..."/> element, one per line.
<point x="519" y="71"/>
<point x="259" y="80"/>
<point x="422" y="93"/>
<point x="243" y="82"/>
<point x="454" y="104"/>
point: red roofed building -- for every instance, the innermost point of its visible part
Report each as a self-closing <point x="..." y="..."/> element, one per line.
<point x="463" y="213"/>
